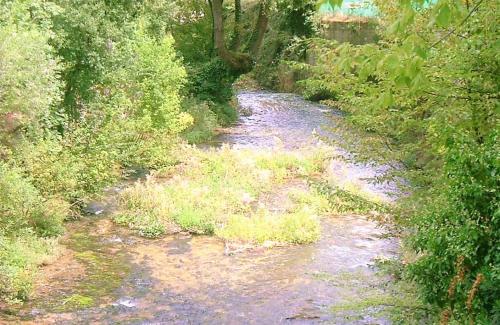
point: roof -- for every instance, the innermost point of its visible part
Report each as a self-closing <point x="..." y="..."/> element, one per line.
<point x="357" y="8"/>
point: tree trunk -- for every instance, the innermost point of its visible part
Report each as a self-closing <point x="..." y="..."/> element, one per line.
<point x="212" y="48"/>
<point x="260" y="28"/>
<point x="237" y="61"/>
<point x="237" y="26"/>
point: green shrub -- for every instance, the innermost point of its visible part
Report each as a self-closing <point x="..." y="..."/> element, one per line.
<point x="29" y="84"/>
<point x="72" y="168"/>
<point x="160" y="77"/>
<point x="458" y="235"/>
<point x="225" y="112"/>
<point x="317" y="90"/>
<point x="205" y="121"/>
<point x="20" y="255"/>
<point x="211" y="81"/>
<point x="23" y="207"/>
<point x="426" y="101"/>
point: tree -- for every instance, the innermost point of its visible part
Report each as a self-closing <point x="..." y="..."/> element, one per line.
<point x="238" y="61"/>
<point x="29" y="84"/>
<point x="427" y="96"/>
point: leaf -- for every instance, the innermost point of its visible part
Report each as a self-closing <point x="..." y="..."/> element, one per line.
<point x="345" y="64"/>
<point x="418" y="83"/>
<point x="336" y="3"/>
<point x="386" y="99"/>
<point x="402" y="81"/>
<point x="395" y="27"/>
<point x="444" y="16"/>
<point x="391" y="61"/>
<point x="420" y="51"/>
<point x="413" y="67"/>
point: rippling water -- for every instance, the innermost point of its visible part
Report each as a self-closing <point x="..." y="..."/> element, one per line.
<point x="275" y="119"/>
<point x="290" y="122"/>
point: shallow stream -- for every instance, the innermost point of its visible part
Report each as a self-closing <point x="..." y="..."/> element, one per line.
<point x="184" y="279"/>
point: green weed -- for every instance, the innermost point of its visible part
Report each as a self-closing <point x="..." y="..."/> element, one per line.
<point x="78" y="301"/>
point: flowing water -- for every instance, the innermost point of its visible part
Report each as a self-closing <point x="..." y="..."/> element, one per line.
<point x="185" y="279"/>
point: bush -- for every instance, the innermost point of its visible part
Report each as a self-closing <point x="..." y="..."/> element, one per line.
<point x="205" y="121"/>
<point x="159" y="77"/>
<point x="225" y="112"/>
<point x="458" y="235"/>
<point x="426" y="101"/>
<point x="211" y="81"/>
<point x="29" y="84"/>
<point x="23" y="207"/>
<point x="20" y="256"/>
<point x="25" y="217"/>
<point x="122" y="107"/>
<point x="316" y="90"/>
<point x="72" y="168"/>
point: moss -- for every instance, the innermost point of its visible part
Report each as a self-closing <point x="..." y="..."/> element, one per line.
<point x="87" y="257"/>
<point x="77" y="301"/>
<point x="104" y="272"/>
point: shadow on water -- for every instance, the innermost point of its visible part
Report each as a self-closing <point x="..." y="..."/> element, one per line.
<point x="114" y="277"/>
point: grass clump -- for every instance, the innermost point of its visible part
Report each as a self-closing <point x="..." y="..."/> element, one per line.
<point x="299" y="227"/>
<point x="220" y="192"/>
<point x="349" y="200"/>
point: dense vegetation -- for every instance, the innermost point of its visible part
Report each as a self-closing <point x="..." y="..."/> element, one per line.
<point x="90" y="89"/>
<point x="425" y="100"/>
<point x="87" y="90"/>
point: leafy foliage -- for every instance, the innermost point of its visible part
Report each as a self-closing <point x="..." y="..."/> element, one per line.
<point x="29" y="84"/>
<point x="426" y="97"/>
<point x="86" y="89"/>
<point x="20" y="256"/>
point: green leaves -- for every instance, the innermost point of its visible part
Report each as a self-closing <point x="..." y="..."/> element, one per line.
<point x="434" y="109"/>
<point x="443" y="16"/>
<point x="447" y="12"/>
<point x="336" y="3"/>
<point x="386" y="99"/>
<point x="390" y="63"/>
<point x="29" y="84"/>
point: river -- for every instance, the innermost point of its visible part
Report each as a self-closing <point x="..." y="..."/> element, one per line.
<point x="185" y="279"/>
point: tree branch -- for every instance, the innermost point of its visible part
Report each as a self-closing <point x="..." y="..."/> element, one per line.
<point x="476" y="7"/>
